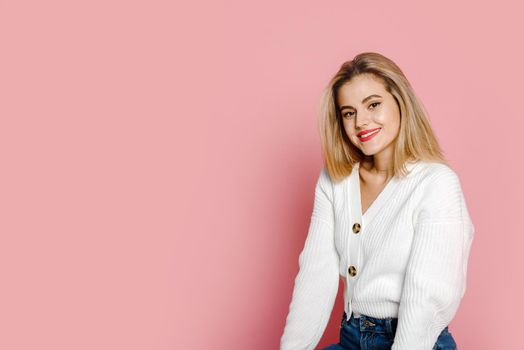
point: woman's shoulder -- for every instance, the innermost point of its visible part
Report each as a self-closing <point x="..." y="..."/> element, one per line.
<point x="435" y="170"/>
<point x="439" y="178"/>
<point x="324" y="180"/>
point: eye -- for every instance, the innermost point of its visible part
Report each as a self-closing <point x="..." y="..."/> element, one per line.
<point x="348" y="114"/>
<point x="374" y="103"/>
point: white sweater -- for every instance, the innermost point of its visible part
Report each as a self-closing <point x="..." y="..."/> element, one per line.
<point x="410" y="256"/>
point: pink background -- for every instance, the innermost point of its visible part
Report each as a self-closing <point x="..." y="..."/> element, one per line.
<point x="158" y="161"/>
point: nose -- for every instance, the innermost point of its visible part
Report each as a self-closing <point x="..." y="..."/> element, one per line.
<point x="362" y="120"/>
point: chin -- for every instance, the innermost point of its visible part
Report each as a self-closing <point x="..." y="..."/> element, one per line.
<point x="368" y="153"/>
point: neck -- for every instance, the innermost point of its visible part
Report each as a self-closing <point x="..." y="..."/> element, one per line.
<point x="379" y="167"/>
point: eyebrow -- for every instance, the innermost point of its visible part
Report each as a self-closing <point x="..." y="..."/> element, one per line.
<point x="363" y="101"/>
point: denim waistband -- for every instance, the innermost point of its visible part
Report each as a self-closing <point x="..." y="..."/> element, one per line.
<point x="372" y="324"/>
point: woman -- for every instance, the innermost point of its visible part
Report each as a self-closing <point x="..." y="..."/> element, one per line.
<point x="389" y="217"/>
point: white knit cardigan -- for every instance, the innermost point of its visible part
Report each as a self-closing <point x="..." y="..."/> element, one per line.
<point x="410" y="256"/>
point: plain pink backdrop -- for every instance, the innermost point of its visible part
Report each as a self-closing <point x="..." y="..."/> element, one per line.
<point x="158" y="161"/>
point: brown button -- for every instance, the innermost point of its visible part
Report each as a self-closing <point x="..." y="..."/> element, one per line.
<point x="356" y="227"/>
<point x="352" y="270"/>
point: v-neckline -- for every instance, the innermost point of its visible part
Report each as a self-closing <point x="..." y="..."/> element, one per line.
<point x="379" y="200"/>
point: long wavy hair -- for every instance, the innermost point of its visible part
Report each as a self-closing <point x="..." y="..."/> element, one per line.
<point x="416" y="140"/>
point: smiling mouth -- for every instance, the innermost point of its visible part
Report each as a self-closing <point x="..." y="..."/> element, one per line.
<point x="369" y="135"/>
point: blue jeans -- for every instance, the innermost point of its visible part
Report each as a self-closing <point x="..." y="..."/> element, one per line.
<point x="369" y="333"/>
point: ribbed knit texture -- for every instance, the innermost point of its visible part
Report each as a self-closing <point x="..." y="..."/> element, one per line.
<point x="411" y="256"/>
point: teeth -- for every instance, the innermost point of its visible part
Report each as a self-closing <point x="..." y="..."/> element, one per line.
<point x="373" y="132"/>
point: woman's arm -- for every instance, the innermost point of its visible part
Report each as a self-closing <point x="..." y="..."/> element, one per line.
<point x="316" y="284"/>
<point x="435" y="279"/>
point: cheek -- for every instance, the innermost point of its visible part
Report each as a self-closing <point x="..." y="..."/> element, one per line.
<point x="388" y="116"/>
<point x="348" y="124"/>
<point x="350" y="129"/>
<point x="383" y="116"/>
<point x="389" y="120"/>
<point x="351" y="134"/>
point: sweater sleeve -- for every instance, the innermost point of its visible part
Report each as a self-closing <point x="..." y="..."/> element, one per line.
<point x="316" y="284"/>
<point x="435" y="279"/>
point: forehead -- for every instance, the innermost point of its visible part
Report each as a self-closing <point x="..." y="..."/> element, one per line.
<point x="359" y="87"/>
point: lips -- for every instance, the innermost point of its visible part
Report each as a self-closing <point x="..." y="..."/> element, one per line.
<point x="363" y="132"/>
<point x="368" y="134"/>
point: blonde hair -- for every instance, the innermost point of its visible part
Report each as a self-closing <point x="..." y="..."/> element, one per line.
<point x="416" y="140"/>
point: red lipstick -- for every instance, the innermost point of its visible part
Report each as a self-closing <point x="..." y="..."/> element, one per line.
<point x="369" y="136"/>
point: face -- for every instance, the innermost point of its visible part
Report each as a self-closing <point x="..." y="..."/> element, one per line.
<point x="370" y="115"/>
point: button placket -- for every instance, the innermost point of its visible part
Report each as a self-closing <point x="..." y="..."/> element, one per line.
<point x="353" y="247"/>
<point x="352" y="270"/>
